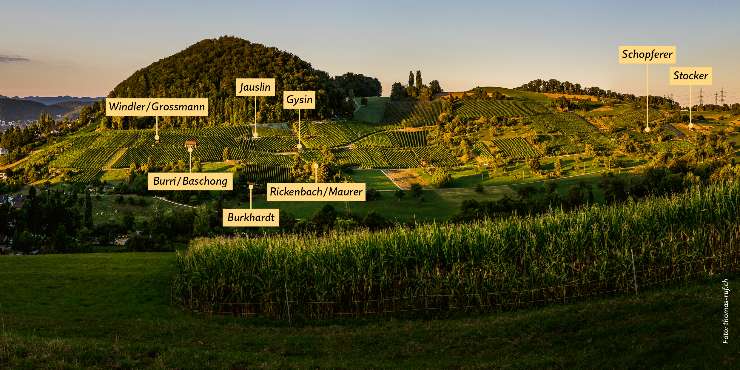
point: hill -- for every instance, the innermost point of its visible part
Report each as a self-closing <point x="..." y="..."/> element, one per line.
<point x="60" y="100"/>
<point x="209" y="69"/>
<point x="12" y="109"/>
<point x="22" y="109"/>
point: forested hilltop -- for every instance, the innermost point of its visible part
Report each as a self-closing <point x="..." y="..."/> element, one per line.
<point x="209" y="68"/>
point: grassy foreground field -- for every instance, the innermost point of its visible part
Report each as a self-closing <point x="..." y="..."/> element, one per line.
<point x="113" y="311"/>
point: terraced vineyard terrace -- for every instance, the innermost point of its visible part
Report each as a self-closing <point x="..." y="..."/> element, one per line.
<point x="516" y="147"/>
<point x="475" y="108"/>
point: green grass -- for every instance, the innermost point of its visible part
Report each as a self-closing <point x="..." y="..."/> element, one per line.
<point x="436" y="205"/>
<point x="373" y="112"/>
<point x="115" y="175"/>
<point x="113" y="311"/>
<point x="375" y="179"/>
<point x="106" y="209"/>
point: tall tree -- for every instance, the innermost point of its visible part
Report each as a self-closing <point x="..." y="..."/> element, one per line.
<point x="411" y="78"/>
<point x="419" y="82"/>
<point x="397" y="91"/>
<point x="435" y="87"/>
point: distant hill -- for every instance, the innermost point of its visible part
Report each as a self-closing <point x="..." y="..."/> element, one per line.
<point x="56" y="100"/>
<point x="14" y="109"/>
<point x="209" y="69"/>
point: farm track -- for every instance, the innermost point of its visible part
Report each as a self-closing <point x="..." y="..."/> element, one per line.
<point x="115" y="158"/>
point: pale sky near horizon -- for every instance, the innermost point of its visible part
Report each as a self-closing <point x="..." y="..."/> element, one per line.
<point x="84" y="48"/>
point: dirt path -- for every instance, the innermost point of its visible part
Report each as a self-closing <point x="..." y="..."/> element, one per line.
<point x="16" y="163"/>
<point x="115" y="158"/>
<point x="404" y="178"/>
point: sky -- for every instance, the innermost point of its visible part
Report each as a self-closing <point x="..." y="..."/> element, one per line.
<point x="84" y="48"/>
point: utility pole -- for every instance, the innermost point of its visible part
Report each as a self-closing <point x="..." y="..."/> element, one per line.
<point x="701" y="97"/>
<point x="722" y="96"/>
<point x="715" y="98"/>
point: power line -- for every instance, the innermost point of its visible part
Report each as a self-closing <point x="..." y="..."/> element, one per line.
<point x="701" y="97"/>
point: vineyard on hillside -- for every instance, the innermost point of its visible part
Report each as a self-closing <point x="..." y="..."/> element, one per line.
<point x="567" y="133"/>
<point x="383" y="157"/>
<point x="403" y="139"/>
<point x="264" y="173"/>
<point x="475" y="108"/>
<point x="211" y="145"/>
<point x="332" y="134"/>
<point x="412" y="113"/>
<point x="516" y="147"/>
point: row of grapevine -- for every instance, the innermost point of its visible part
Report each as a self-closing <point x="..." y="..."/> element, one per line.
<point x="326" y="134"/>
<point x="515" y="147"/>
<point x="564" y="123"/>
<point x="413" y="113"/>
<point x="475" y="108"/>
<point x="481" y="149"/>
<point x="96" y="154"/>
<point x="437" y="156"/>
<point x="210" y="147"/>
<point x="263" y="173"/>
<point x="404" y="139"/>
<point x="397" y="157"/>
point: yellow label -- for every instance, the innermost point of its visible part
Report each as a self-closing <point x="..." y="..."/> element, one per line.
<point x="251" y="217"/>
<point x="191" y="181"/>
<point x="656" y="54"/>
<point x="691" y="76"/>
<point x="316" y="192"/>
<point x="150" y="107"/>
<point x="299" y="99"/>
<point x="255" y="87"/>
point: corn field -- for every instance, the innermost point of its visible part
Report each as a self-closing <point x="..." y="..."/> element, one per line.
<point x="514" y="262"/>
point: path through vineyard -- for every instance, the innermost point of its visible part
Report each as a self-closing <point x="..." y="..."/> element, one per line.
<point x="115" y="158"/>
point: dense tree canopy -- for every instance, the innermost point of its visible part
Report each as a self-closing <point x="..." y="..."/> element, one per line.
<point x="360" y="85"/>
<point x="209" y="69"/>
<point x="566" y="87"/>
